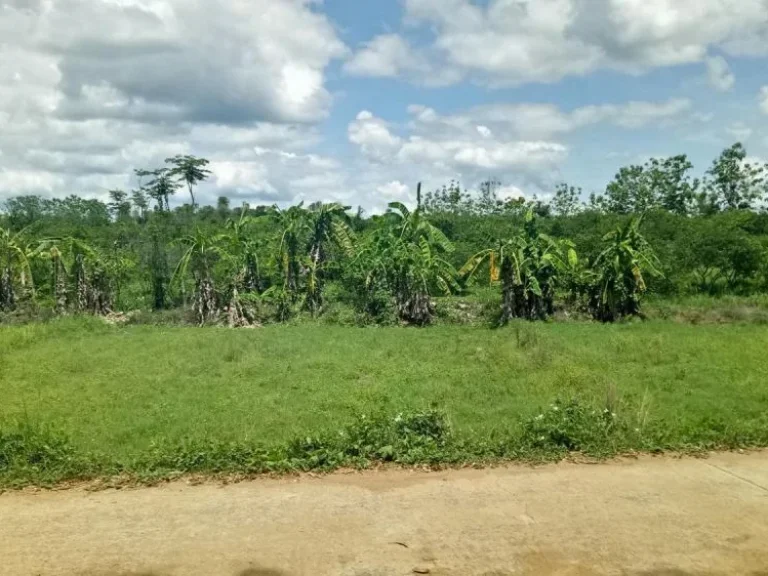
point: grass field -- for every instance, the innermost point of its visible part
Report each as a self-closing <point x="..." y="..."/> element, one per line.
<point x="119" y="391"/>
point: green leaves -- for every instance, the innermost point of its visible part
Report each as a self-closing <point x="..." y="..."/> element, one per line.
<point x="620" y="270"/>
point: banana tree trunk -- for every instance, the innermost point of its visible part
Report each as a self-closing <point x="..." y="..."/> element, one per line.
<point x="7" y="293"/>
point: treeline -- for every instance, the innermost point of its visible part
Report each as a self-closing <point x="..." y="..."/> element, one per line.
<point x="654" y="229"/>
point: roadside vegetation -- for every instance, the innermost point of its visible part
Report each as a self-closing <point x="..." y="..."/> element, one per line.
<point x="630" y="322"/>
<point x="83" y="399"/>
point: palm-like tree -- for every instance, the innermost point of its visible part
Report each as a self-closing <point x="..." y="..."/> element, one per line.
<point x="293" y="229"/>
<point x="412" y="226"/>
<point x="14" y="266"/>
<point x="79" y="275"/>
<point x="408" y="258"/>
<point x="244" y="249"/>
<point x="328" y="224"/>
<point x="190" y="170"/>
<point x="619" y="270"/>
<point x="529" y="267"/>
<point x="201" y="253"/>
<point x="160" y="188"/>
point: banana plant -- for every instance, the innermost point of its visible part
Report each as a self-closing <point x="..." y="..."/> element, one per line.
<point x="15" y="254"/>
<point x="201" y="253"/>
<point x="620" y="271"/>
<point x="529" y="268"/>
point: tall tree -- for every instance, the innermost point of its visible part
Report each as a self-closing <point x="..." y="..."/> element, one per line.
<point x="119" y="206"/>
<point x="190" y="170"/>
<point x="140" y="203"/>
<point x="566" y="200"/>
<point x="671" y="183"/>
<point x="160" y="188"/>
<point x="733" y="183"/>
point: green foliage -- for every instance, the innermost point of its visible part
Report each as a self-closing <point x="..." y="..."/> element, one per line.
<point x="733" y="183"/>
<point x="529" y="268"/>
<point x="707" y="238"/>
<point x="573" y="427"/>
<point x="32" y="454"/>
<point x="618" y="277"/>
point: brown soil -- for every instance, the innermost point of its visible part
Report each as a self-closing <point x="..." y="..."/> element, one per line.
<point x="651" y="517"/>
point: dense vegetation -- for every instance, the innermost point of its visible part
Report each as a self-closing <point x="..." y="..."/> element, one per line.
<point x="653" y="230"/>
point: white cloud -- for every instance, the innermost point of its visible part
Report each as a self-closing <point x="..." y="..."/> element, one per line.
<point x="720" y="75"/>
<point x="385" y="55"/>
<point x="517" y="41"/>
<point x="91" y="90"/>
<point x="739" y="131"/>
<point x="389" y="55"/>
<point x="393" y="191"/>
<point x="530" y="120"/>
<point x="373" y="137"/>
<point x="764" y="99"/>
<point x="519" y="144"/>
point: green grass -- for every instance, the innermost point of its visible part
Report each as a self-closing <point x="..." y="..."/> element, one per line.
<point x="121" y="392"/>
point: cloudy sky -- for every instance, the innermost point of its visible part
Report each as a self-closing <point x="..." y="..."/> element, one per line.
<point x="357" y="100"/>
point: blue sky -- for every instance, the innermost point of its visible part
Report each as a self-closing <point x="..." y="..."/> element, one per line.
<point x="356" y="101"/>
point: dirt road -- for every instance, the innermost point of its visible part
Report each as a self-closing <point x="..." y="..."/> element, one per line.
<point x="652" y="517"/>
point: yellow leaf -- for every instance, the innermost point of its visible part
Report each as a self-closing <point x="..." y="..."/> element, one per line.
<point x="494" y="268"/>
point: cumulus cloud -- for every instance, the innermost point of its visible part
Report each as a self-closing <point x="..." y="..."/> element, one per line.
<point x="517" y="41"/>
<point x="719" y="72"/>
<point x="390" y="55"/>
<point x="520" y="144"/>
<point x="90" y="90"/>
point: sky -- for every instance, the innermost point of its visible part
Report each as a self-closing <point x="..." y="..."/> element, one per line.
<point x="356" y="101"/>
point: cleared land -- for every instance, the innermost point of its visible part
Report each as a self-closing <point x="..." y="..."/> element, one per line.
<point x="653" y="517"/>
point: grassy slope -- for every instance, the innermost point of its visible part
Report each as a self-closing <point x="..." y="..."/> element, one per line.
<point x="116" y="390"/>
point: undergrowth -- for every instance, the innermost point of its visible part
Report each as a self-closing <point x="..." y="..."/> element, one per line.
<point x="36" y="455"/>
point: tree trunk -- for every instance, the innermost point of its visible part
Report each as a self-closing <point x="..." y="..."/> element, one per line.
<point x="7" y="294"/>
<point x="191" y="195"/>
<point x="59" y="287"/>
<point x="205" y="307"/>
<point x="81" y="285"/>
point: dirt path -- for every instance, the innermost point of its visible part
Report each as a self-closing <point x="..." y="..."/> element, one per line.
<point x="653" y="517"/>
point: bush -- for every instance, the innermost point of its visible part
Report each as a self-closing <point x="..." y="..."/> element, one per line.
<point x="573" y="427"/>
<point x="30" y="454"/>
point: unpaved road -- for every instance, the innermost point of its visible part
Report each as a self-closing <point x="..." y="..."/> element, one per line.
<point x="652" y="517"/>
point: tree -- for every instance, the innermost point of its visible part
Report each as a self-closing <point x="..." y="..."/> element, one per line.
<point x="79" y="276"/>
<point x="566" y="200"/>
<point x="450" y="199"/>
<point x="408" y="258"/>
<point x="659" y="183"/>
<point x="529" y="267"/>
<point x="119" y="206"/>
<point x="293" y="227"/>
<point x="189" y="169"/>
<point x="14" y="267"/>
<point x="140" y="203"/>
<point x="160" y="188"/>
<point x="671" y="184"/>
<point x="619" y="282"/>
<point x="222" y="207"/>
<point x="733" y="183"/>
<point x="201" y="252"/>
<point x="327" y="225"/>
<point x="629" y="192"/>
